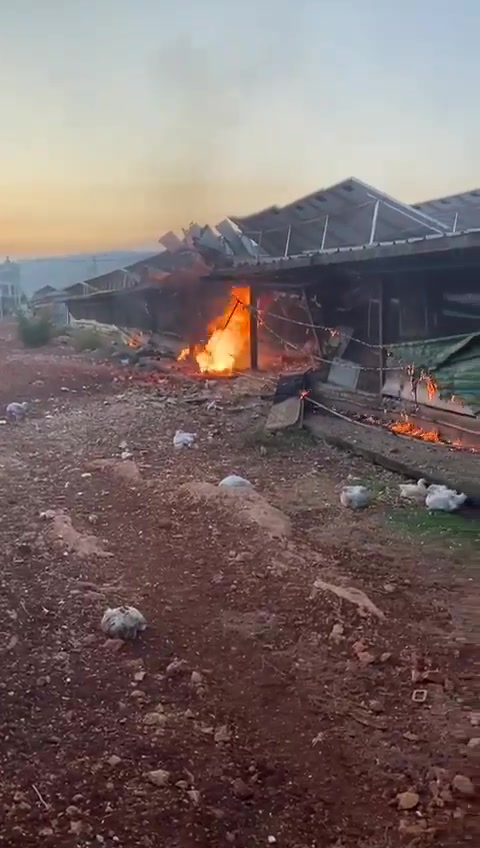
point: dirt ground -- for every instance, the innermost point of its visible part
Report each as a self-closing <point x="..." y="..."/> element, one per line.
<point x="257" y="709"/>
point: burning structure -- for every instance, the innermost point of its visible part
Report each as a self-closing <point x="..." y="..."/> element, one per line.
<point x="378" y="299"/>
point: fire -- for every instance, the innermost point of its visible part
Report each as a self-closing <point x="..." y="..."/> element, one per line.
<point x="228" y="337"/>
<point x="406" y="428"/>
<point x="134" y="341"/>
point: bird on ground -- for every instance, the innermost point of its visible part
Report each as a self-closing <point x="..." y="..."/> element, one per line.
<point x="123" y="623"/>
<point x="443" y="499"/>
<point x="355" y="497"/>
<point x="17" y="411"/>
<point x="414" y="491"/>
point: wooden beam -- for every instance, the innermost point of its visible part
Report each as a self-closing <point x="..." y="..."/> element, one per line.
<point x="381" y="335"/>
<point x="253" y="330"/>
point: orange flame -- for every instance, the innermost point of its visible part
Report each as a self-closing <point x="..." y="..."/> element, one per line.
<point x="228" y="337"/>
<point x="134" y="341"/>
<point x="406" y="428"/>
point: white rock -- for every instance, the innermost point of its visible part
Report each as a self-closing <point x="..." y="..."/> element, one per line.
<point x="233" y="481"/>
<point x="159" y="777"/>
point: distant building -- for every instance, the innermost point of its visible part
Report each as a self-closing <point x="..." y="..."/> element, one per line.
<point x="10" y="291"/>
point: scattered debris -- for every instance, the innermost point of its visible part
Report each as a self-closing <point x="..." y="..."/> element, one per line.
<point x="84" y="545"/>
<point x="123" y="623"/>
<point x="462" y="785"/>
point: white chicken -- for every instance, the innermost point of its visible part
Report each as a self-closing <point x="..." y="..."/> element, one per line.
<point x="414" y="491"/>
<point x="182" y="439"/>
<point x="123" y="623"/>
<point x="442" y="499"/>
<point x="17" y="411"/>
<point x="355" y="497"/>
<point x="233" y="481"/>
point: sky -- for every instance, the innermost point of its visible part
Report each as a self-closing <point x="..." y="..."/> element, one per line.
<point x="122" y="119"/>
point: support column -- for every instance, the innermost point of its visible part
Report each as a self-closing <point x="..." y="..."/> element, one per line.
<point x="382" y="356"/>
<point x="253" y="329"/>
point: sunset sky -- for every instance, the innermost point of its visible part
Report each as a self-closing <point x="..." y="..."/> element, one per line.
<point x="121" y="119"/>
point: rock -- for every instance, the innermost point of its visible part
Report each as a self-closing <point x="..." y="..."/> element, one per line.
<point x="139" y="676"/>
<point x="12" y="643"/>
<point x="114" y="760"/>
<point x="194" y="796"/>
<point x="411" y="737"/>
<point x="113" y="646"/>
<point x="196" y="678"/>
<point x="176" y="667"/>
<point x="241" y="789"/>
<point x="182" y="784"/>
<point x="45" y="831"/>
<point x="462" y="785"/>
<point x="376" y="706"/>
<point x="385" y="657"/>
<point x="474" y="742"/>
<point x="76" y="827"/>
<point x="159" y="777"/>
<point x="407" y="800"/>
<point x="73" y="812"/>
<point x="336" y="633"/>
<point x="222" y="734"/>
<point x="155" y="719"/>
<point x="408" y="828"/>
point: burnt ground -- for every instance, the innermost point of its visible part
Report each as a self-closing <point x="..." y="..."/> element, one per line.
<point x="298" y="726"/>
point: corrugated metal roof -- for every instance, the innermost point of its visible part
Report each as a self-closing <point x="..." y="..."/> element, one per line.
<point x="339" y="216"/>
<point x="453" y="362"/>
<point x="456" y="211"/>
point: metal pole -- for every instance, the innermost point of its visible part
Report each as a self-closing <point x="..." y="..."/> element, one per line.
<point x="287" y="242"/>
<point x="324" y="234"/>
<point x="381" y="335"/>
<point x="374" y="222"/>
<point x="253" y="330"/>
<point x="455" y="222"/>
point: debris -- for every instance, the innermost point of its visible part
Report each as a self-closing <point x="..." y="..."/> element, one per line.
<point x="114" y="760"/>
<point x="123" y="623"/>
<point x="159" y="777"/>
<point x="40" y="797"/>
<point x="182" y="439"/>
<point x="196" y="678"/>
<point x="462" y="785"/>
<point x="419" y="696"/>
<point x="48" y="514"/>
<point x="407" y="800"/>
<point x="318" y="738"/>
<point x="474" y="742"/>
<point x="222" y="734"/>
<point x="350" y="593"/>
<point x="12" y="643"/>
<point x="246" y="505"/>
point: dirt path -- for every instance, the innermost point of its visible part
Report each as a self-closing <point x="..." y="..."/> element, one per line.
<point x="269" y="711"/>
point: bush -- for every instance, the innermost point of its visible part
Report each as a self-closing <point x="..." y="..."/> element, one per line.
<point x="87" y="339"/>
<point x="34" y="331"/>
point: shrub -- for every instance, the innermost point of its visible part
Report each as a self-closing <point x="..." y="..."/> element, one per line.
<point x="34" y="331"/>
<point x="87" y="339"/>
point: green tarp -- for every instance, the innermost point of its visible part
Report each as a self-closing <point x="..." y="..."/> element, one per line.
<point x="453" y="363"/>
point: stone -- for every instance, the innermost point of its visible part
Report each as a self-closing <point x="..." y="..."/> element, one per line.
<point x="407" y="800"/>
<point x="474" y="742"/>
<point x="222" y="734"/>
<point x="114" y="761"/>
<point x="336" y="633"/>
<point x="462" y="785"/>
<point x="196" y="678"/>
<point x="241" y="789"/>
<point x="158" y="778"/>
<point x="154" y="720"/>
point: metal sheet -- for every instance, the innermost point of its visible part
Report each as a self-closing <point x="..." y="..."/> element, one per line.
<point x="457" y="211"/>
<point x="340" y="216"/>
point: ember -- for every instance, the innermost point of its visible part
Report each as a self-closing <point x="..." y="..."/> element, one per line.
<point x="134" y="341"/>
<point x="228" y="337"/>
